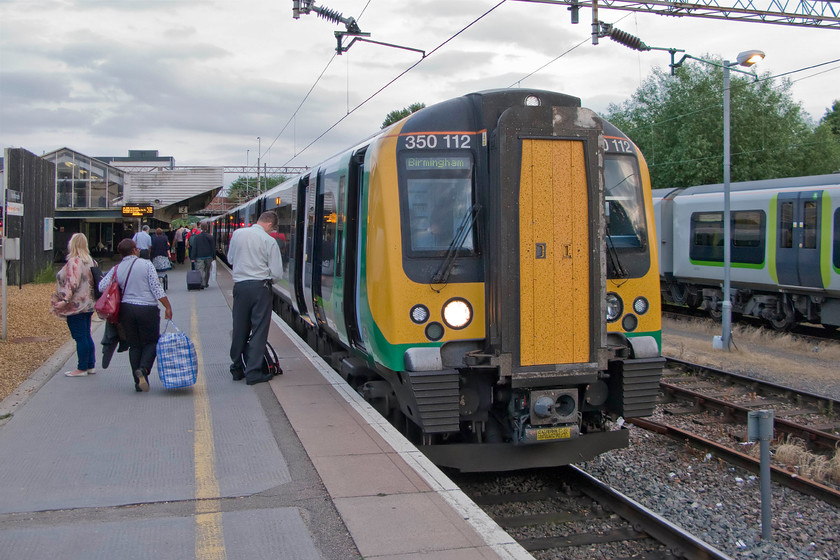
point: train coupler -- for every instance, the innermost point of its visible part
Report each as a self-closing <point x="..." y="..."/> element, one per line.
<point x="547" y="415"/>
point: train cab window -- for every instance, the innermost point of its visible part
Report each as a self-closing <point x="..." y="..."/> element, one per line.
<point x="625" y="218"/>
<point x="624" y="209"/>
<point x="809" y="233"/>
<point x="438" y="202"/>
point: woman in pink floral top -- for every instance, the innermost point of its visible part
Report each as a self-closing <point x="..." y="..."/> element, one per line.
<point x="74" y="301"/>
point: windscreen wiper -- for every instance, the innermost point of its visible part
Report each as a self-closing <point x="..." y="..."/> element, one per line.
<point x="442" y="275"/>
<point x="615" y="261"/>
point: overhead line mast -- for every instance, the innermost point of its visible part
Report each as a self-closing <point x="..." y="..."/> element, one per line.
<point x="803" y="13"/>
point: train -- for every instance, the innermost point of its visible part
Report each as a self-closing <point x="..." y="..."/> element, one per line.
<point x="484" y="273"/>
<point x="784" y="249"/>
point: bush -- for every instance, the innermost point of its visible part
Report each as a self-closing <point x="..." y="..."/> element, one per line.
<point x="46" y="275"/>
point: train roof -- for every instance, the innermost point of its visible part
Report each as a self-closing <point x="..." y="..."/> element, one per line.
<point x="832" y="179"/>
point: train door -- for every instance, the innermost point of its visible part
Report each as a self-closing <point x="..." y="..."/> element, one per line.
<point x="545" y="218"/>
<point x="298" y="248"/>
<point x="353" y="254"/>
<point x="798" y="238"/>
<point x="307" y="269"/>
<point x="554" y="252"/>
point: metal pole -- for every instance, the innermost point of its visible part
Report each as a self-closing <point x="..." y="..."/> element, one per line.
<point x="760" y="427"/>
<point x="3" y="267"/>
<point x="259" y="149"/>
<point x="247" y="163"/>
<point x="726" y="318"/>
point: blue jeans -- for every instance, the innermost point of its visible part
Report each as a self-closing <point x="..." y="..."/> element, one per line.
<point x="79" y="326"/>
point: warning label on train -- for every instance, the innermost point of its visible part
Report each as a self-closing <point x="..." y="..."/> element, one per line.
<point x="553" y="433"/>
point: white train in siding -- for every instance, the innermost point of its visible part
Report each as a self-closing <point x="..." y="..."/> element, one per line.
<point x="785" y="248"/>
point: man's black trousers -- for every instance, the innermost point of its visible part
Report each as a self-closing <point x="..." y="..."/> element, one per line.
<point x="251" y="317"/>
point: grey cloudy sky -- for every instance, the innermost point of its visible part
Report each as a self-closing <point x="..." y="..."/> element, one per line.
<point x="200" y="80"/>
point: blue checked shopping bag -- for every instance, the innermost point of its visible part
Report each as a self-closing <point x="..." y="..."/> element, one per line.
<point x="177" y="364"/>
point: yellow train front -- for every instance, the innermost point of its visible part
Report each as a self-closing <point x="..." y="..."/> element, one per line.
<point x="454" y="270"/>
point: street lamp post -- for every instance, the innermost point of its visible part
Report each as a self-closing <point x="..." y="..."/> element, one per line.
<point x="747" y="59"/>
<point x="259" y="150"/>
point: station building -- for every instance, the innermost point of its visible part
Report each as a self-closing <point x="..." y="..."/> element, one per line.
<point x="108" y="198"/>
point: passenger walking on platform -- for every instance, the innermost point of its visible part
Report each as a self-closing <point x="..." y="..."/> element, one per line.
<point x="256" y="261"/>
<point x="180" y="244"/>
<point x="144" y="242"/>
<point x="160" y="251"/>
<point x="74" y="301"/>
<point x="202" y="253"/>
<point x="139" y="313"/>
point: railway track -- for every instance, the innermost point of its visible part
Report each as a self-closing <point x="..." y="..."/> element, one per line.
<point x="566" y="513"/>
<point x="711" y="400"/>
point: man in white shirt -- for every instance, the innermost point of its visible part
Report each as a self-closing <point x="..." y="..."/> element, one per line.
<point x="256" y="261"/>
<point x="143" y="241"/>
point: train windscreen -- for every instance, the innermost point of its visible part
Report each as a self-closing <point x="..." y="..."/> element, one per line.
<point x="439" y="200"/>
<point x="625" y="217"/>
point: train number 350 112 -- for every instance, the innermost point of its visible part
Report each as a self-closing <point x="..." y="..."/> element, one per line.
<point x="432" y="141"/>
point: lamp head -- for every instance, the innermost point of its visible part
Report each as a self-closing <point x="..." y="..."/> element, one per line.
<point x="748" y="58"/>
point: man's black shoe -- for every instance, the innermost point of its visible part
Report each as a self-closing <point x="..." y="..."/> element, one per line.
<point x="256" y="380"/>
<point x="237" y="374"/>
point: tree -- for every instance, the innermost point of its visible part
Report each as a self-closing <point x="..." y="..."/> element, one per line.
<point x="400" y="114"/>
<point x="677" y="122"/>
<point x="245" y="188"/>
<point x="831" y="119"/>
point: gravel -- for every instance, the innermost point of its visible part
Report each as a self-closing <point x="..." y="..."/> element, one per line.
<point x="709" y="498"/>
<point x="717" y="502"/>
<point x="33" y="334"/>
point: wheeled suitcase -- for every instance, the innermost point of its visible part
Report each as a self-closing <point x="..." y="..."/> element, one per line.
<point x="193" y="280"/>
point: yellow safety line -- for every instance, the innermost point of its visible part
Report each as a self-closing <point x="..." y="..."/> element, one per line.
<point x="209" y="538"/>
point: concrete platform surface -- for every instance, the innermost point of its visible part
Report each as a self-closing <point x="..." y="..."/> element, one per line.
<point x="298" y="468"/>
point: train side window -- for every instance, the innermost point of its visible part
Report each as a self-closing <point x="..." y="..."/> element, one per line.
<point x="746" y="228"/>
<point x="809" y="238"/>
<point x="786" y="225"/>
<point x="837" y="239"/>
<point x="747" y="231"/>
<point x="340" y="221"/>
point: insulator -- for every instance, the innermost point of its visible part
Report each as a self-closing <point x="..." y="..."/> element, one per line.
<point x="331" y="15"/>
<point x="627" y="40"/>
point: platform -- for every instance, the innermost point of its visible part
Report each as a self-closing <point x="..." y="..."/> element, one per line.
<point x="297" y="468"/>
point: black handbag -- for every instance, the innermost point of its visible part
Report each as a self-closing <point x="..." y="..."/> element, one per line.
<point x="96" y="272"/>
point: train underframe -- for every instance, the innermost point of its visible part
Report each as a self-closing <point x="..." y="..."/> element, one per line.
<point x="781" y="310"/>
<point x="475" y="419"/>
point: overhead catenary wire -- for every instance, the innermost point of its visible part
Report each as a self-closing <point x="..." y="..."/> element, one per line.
<point x="397" y="77"/>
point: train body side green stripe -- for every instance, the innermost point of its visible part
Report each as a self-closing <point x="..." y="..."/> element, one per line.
<point x="771" y="239"/>
<point x="825" y="240"/>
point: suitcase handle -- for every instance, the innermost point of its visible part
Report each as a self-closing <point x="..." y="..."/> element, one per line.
<point x="168" y="322"/>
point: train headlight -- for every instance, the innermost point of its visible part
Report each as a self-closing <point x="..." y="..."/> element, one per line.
<point x="420" y="314"/>
<point x="614" y="307"/>
<point x="640" y="305"/>
<point x="457" y="313"/>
